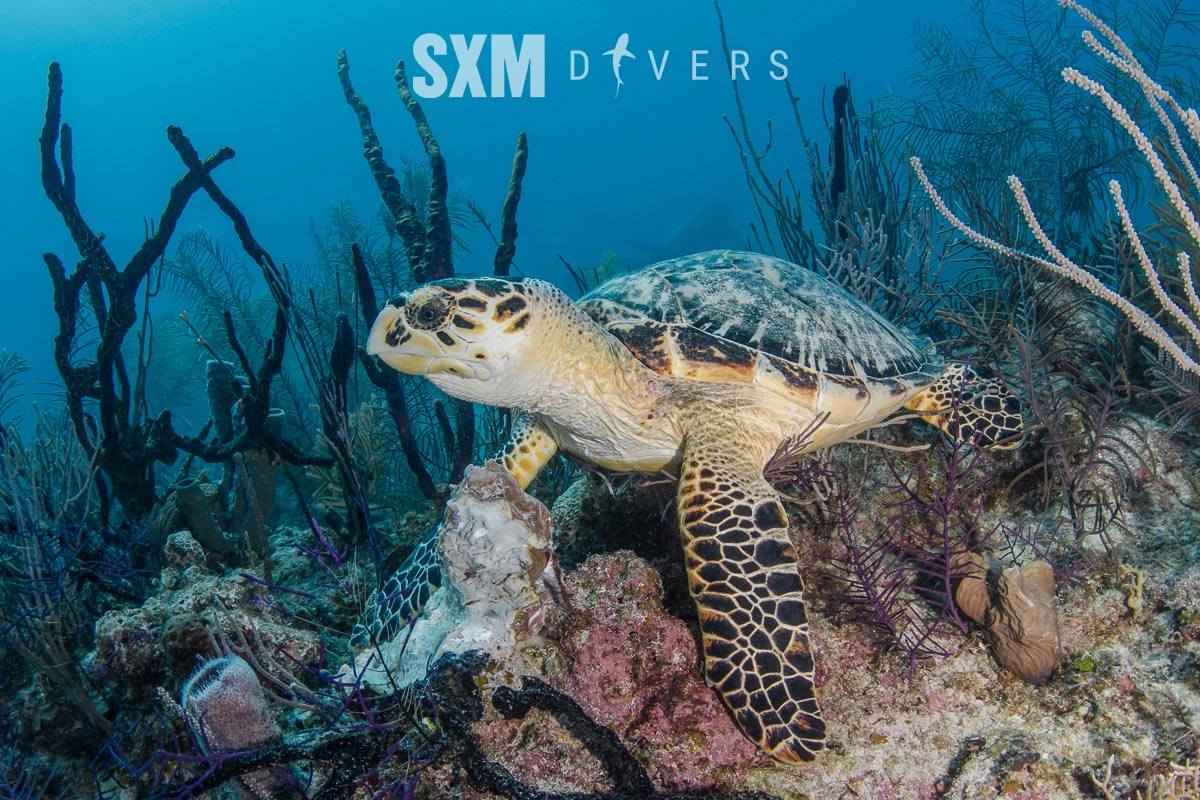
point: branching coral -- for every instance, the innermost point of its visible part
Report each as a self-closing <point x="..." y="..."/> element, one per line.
<point x="992" y="101"/>
<point x="372" y="443"/>
<point x="12" y="366"/>
<point x="207" y="279"/>
<point x="899" y="576"/>
<point x="1178" y="336"/>
<point x="1182" y="783"/>
<point x="21" y="776"/>
<point x="1064" y="353"/>
<point x="54" y="568"/>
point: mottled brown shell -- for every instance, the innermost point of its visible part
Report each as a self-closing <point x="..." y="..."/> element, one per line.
<point x="736" y="316"/>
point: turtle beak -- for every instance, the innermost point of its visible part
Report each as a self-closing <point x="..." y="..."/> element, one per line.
<point x="391" y="340"/>
<point x="413" y="351"/>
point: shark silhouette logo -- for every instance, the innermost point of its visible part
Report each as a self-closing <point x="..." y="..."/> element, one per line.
<point x="620" y="51"/>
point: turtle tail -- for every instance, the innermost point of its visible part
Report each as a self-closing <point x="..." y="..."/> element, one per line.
<point x="972" y="407"/>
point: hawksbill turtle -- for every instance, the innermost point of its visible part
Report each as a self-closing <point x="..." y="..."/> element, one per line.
<point x="704" y="366"/>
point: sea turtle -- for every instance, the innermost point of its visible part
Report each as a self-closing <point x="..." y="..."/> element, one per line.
<point x="704" y="366"/>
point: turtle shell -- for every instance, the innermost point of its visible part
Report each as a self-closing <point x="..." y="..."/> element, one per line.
<point x="744" y="317"/>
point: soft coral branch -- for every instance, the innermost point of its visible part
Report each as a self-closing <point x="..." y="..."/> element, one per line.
<point x="1180" y="341"/>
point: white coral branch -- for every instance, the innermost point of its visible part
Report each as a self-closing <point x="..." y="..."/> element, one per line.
<point x="1160" y="100"/>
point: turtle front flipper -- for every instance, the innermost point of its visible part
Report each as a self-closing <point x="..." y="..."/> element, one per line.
<point x="530" y="447"/>
<point x="744" y="578"/>
<point x="971" y="407"/>
<point x="403" y="595"/>
<point x="401" y="598"/>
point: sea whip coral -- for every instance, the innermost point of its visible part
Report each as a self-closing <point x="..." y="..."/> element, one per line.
<point x="1178" y="346"/>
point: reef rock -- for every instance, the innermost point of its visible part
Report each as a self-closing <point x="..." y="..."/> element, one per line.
<point x="599" y="635"/>
<point x="145" y="646"/>
<point x="632" y="668"/>
<point x="500" y="583"/>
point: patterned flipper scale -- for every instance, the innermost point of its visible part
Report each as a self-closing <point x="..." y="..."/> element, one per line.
<point x="744" y="578"/>
<point x="970" y="406"/>
<point x="402" y="596"/>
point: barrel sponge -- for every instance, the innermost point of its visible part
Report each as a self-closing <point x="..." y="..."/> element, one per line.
<point x="227" y="703"/>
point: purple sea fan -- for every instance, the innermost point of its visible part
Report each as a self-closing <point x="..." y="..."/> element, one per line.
<point x="936" y="514"/>
<point x="876" y="581"/>
<point x="898" y="574"/>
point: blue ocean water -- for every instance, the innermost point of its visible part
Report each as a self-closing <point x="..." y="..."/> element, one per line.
<point x="628" y="108"/>
<point x="604" y="170"/>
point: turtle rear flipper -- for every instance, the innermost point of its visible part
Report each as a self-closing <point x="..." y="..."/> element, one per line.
<point x="402" y="597"/>
<point x="743" y="576"/>
<point x="971" y="407"/>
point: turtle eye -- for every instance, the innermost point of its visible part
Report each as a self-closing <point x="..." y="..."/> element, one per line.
<point x="429" y="313"/>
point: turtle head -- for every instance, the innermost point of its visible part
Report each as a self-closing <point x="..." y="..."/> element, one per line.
<point x="465" y="335"/>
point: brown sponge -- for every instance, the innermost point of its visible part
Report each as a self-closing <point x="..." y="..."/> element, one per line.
<point x="1019" y="614"/>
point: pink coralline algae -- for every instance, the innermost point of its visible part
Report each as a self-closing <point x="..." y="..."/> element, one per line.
<point x="633" y="668"/>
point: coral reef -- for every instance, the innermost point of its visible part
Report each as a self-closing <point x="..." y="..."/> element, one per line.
<point x="954" y="727"/>
<point x="1076" y="554"/>
<point x="632" y="666"/>
<point x="599" y="636"/>
<point x="586" y="749"/>
<point x="144" y="646"/>
<point x="628" y="667"/>
<point x="126" y="441"/>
